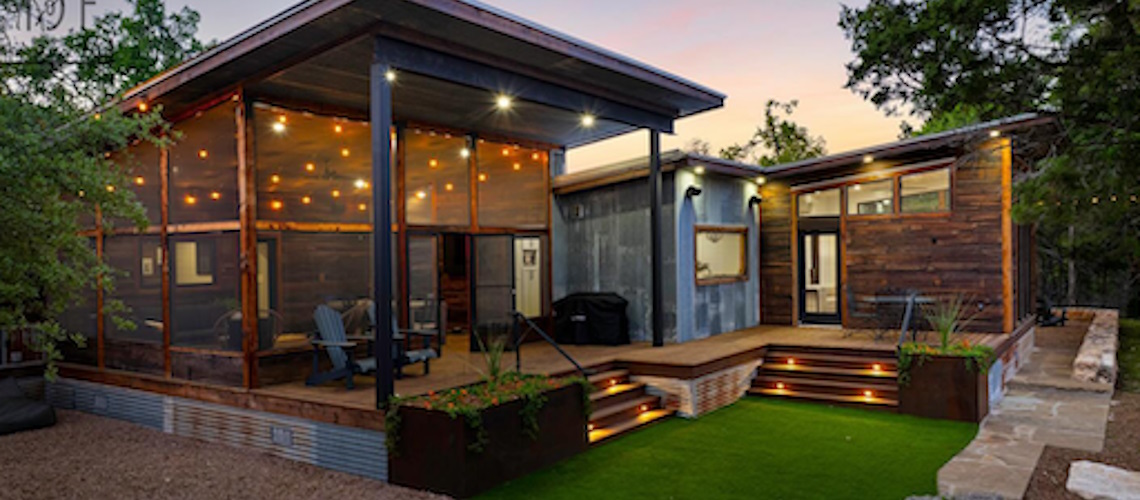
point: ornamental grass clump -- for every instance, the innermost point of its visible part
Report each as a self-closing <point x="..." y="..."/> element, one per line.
<point x="946" y="317"/>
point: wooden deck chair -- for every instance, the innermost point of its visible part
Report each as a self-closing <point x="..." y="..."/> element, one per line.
<point x="402" y="357"/>
<point x="334" y="341"/>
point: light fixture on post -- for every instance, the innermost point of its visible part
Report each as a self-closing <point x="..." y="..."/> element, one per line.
<point x="692" y="191"/>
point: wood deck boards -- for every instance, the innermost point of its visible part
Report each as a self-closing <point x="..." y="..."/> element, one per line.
<point x="459" y="367"/>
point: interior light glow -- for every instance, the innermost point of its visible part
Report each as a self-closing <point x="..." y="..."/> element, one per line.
<point x="203" y="154"/>
<point x="276" y="205"/>
<point x="215" y="196"/>
<point x="534" y="156"/>
<point x="275" y="178"/>
<point x="506" y="152"/>
<point x="139" y="181"/>
<point x="344" y="152"/>
<point x="449" y="186"/>
<point x="780" y="385"/>
<point x="517" y="166"/>
<point x="877" y="367"/>
<point x="791" y="361"/>
<point x="309" y="167"/>
<point x="466" y="153"/>
<point x="868" y="394"/>
<point x="503" y="102"/>
<point x="588" y="120"/>
<point x="336" y="193"/>
<point x="306" y="200"/>
<point x="433" y="163"/>
<point x="282" y="119"/>
<point x="421" y="194"/>
<point x="279" y="127"/>
<point x="191" y="199"/>
<point x="390" y="75"/>
<point x="362" y="207"/>
<point x="360" y="184"/>
<point x="338" y="129"/>
<point x="482" y="177"/>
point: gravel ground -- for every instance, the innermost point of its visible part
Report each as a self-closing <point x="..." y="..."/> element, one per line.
<point x="85" y="456"/>
<point x="1121" y="449"/>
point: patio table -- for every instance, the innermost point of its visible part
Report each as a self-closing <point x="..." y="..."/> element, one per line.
<point x="909" y="300"/>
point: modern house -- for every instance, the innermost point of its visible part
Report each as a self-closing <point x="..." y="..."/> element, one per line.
<point x="348" y="153"/>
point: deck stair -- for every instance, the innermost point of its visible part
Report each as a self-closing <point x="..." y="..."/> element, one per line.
<point x="839" y="376"/>
<point x="621" y="406"/>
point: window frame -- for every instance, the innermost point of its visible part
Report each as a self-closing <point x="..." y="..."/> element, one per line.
<point x="838" y="188"/>
<point x="742" y="231"/>
<point x="950" y="171"/>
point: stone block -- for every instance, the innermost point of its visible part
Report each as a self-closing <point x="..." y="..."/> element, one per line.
<point x="1091" y="480"/>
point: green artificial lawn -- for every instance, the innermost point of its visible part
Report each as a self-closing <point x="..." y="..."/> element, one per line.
<point x="1129" y="355"/>
<point x="759" y="448"/>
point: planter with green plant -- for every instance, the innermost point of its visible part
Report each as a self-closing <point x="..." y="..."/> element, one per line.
<point x="466" y="440"/>
<point x="947" y="380"/>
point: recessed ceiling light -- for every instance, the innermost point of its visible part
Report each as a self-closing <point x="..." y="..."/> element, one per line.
<point x="503" y="102"/>
<point x="588" y="120"/>
<point x="868" y="158"/>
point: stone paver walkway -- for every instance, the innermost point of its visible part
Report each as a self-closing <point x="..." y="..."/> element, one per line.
<point x="1041" y="407"/>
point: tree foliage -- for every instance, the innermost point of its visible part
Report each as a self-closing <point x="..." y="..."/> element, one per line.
<point x="1077" y="59"/>
<point x="778" y="140"/>
<point x="54" y="144"/>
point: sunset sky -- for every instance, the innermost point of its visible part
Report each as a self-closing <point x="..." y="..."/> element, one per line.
<point x="751" y="50"/>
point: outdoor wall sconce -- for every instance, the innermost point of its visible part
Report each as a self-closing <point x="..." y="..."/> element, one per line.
<point x="692" y="191"/>
<point x="755" y="200"/>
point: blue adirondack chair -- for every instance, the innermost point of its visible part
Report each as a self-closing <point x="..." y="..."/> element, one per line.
<point x="402" y="357"/>
<point x="334" y="341"/>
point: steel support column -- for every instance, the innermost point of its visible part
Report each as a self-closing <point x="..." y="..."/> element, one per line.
<point x="381" y="122"/>
<point x="658" y="305"/>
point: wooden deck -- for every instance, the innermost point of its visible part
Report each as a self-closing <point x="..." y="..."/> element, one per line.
<point x="459" y="367"/>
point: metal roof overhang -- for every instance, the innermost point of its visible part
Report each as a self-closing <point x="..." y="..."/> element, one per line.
<point x="319" y="51"/>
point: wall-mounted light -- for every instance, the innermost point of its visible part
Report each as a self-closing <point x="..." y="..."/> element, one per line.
<point x="761" y="180"/>
<point x="699" y="170"/>
<point x="755" y="200"/>
<point x="692" y="191"/>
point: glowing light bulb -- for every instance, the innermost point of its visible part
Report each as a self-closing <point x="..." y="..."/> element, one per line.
<point x="421" y="195"/>
<point x="276" y="179"/>
<point x="191" y="199"/>
<point x="344" y="152"/>
<point x="203" y="154"/>
<point x="588" y="120"/>
<point x="139" y="181"/>
<point x="110" y="188"/>
<point x="336" y="193"/>
<point x="362" y="207"/>
<point x="306" y="200"/>
<point x="449" y="186"/>
<point x="791" y="361"/>
<point x="279" y="127"/>
<point x="877" y="367"/>
<point x="390" y="76"/>
<point x="282" y="119"/>
<point x="868" y="394"/>
<point x="506" y="152"/>
<point x="534" y="156"/>
<point x="276" y="205"/>
<point x="338" y="129"/>
<point x="503" y="102"/>
<point x="868" y="158"/>
<point x="360" y="184"/>
<point x="482" y="177"/>
<point x="433" y="163"/>
<point x="309" y="167"/>
<point x="699" y="170"/>
<point x="780" y="385"/>
<point x="517" y="166"/>
<point x="466" y="153"/>
<point x="143" y="107"/>
<point x="215" y="196"/>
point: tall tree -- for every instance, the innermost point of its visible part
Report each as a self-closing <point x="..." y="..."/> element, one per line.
<point x="778" y="140"/>
<point x="53" y="143"/>
<point x="1078" y="59"/>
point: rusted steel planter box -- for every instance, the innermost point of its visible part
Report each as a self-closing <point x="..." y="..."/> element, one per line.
<point x="945" y="387"/>
<point x="433" y="454"/>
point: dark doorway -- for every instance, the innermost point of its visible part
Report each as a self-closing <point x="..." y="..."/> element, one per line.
<point x="820" y="277"/>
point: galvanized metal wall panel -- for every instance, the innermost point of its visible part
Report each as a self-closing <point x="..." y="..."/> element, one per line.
<point x="347" y="449"/>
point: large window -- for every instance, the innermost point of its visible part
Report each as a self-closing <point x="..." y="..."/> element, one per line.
<point x="312" y="168"/>
<point x="204" y="293"/>
<point x="824" y="203"/>
<point x="203" y="168"/>
<point x="437" y="178"/>
<point x="721" y="254"/>
<point x="925" y="191"/>
<point x="134" y="334"/>
<point x="870" y="198"/>
<point x="512" y="186"/>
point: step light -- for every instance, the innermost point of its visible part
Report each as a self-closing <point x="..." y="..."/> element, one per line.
<point x="590" y="427"/>
<point x="868" y="394"/>
<point x="877" y="367"/>
<point x="791" y="361"/>
<point x="780" y="385"/>
<point x="644" y="408"/>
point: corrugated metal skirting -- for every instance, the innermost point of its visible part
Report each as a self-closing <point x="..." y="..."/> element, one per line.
<point x="347" y="449"/>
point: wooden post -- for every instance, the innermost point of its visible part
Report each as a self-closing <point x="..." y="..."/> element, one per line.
<point x="100" y="331"/>
<point x="658" y="298"/>
<point x="247" y="208"/>
<point x="164" y="245"/>
<point x="381" y="119"/>
<point x="1006" y="149"/>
